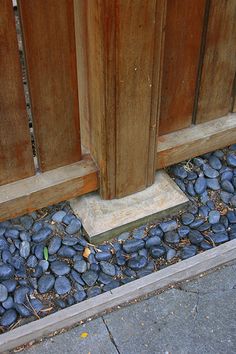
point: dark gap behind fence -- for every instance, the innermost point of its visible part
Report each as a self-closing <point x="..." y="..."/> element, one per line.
<point x="201" y="59"/>
<point x="25" y="85"/>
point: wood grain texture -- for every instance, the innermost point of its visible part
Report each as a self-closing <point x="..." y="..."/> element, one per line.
<point x="234" y="95"/>
<point x="49" y="38"/>
<point x="234" y="105"/>
<point x="121" y="38"/>
<point x="196" y="140"/>
<point x="48" y="188"/>
<point x="135" y="40"/>
<point x="159" y="42"/>
<point x="100" y="15"/>
<point x="96" y="306"/>
<point x="184" y="24"/>
<point x="219" y="64"/>
<point x="82" y="70"/>
<point x="16" y="157"/>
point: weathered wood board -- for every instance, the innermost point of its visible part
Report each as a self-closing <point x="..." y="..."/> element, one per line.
<point x="48" y="188"/>
<point x="183" y="32"/>
<point x="219" y="63"/>
<point x="196" y="140"/>
<point x="16" y="157"/>
<point x="49" y="38"/>
<point x="82" y="70"/>
<point x="135" y="40"/>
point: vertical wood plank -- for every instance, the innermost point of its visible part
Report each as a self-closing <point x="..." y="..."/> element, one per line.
<point x="161" y="9"/>
<point x="134" y="59"/>
<point x="82" y="70"/>
<point x="234" y="106"/>
<point x="16" y="158"/>
<point x="234" y="95"/>
<point x="101" y="27"/>
<point x="49" y="38"/>
<point x="184" y="24"/>
<point x="124" y="50"/>
<point x="219" y="64"/>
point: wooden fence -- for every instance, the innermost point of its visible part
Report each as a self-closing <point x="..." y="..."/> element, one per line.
<point x="148" y="82"/>
<point x="50" y="60"/>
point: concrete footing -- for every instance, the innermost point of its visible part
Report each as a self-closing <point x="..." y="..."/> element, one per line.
<point x="105" y="219"/>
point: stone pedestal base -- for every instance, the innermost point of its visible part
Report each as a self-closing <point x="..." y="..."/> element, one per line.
<point x="105" y="219"/>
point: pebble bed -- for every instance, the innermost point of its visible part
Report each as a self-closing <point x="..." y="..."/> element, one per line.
<point x="46" y="264"/>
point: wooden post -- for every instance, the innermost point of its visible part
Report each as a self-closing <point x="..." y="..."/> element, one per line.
<point x="123" y="51"/>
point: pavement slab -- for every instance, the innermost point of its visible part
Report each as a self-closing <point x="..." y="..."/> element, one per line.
<point x="215" y="323"/>
<point x="97" y="341"/>
<point x="221" y="280"/>
<point x="156" y="325"/>
<point x="198" y="317"/>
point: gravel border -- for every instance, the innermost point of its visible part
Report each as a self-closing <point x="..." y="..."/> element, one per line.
<point x="181" y="271"/>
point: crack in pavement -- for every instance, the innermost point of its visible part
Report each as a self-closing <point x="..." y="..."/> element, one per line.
<point x="111" y="336"/>
<point x="188" y="291"/>
<point x="195" y="292"/>
<point x="198" y="292"/>
<point x="196" y="307"/>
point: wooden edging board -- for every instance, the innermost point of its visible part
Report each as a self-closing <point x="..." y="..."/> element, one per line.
<point x="161" y="279"/>
<point x="48" y="188"/>
<point x="196" y="140"/>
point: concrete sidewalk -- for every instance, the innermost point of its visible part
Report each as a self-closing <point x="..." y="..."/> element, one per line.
<point x="199" y="317"/>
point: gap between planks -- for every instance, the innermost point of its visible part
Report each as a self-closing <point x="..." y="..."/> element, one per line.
<point x="161" y="279"/>
<point x="196" y="140"/>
